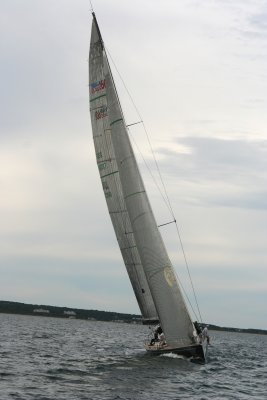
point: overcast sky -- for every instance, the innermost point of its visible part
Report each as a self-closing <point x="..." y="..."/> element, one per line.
<point x="197" y="71"/>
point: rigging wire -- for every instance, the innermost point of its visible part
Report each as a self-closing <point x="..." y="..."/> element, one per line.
<point x="188" y="271"/>
<point x="147" y="136"/>
<point x="165" y="196"/>
<point x="187" y="298"/>
<point x="149" y="169"/>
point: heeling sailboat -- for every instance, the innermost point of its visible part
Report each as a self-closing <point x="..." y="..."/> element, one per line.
<point x="143" y="251"/>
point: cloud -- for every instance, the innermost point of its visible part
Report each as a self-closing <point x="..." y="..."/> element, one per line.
<point x="232" y="171"/>
<point x="259" y="20"/>
<point x="198" y="73"/>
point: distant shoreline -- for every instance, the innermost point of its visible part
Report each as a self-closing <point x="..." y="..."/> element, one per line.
<point x="12" y="307"/>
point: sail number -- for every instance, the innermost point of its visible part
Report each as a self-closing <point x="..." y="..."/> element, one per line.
<point x="106" y="189"/>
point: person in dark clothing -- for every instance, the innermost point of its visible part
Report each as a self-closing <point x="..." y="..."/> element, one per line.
<point x="197" y="327"/>
<point x="158" y="331"/>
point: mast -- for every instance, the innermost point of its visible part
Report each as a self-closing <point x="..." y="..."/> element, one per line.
<point x="138" y="236"/>
<point x="98" y="30"/>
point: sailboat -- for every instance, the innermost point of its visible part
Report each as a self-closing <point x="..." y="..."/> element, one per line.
<point x="151" y="273"/>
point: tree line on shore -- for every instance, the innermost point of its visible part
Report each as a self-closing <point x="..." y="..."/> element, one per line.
<point x="12" y="307"/>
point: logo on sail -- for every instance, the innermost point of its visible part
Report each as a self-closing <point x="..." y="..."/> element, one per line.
<point x="169" y="276"/>
<point x="98" y="86"/>
<point x="102" y="166"/>
<point x="101" y="113"/>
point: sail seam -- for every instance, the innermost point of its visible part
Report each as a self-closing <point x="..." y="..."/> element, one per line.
<point x="98" y="97"/>
<point x="126" y="248"/>
<point x="107" y="160"/>
<point x="111" y="173"/>
<point x="132" y="263"/>
<point x="133" y="194"/>
<point x="118" y="212"/>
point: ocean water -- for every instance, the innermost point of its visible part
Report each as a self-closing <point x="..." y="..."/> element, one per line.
<point x="48" y="358"/>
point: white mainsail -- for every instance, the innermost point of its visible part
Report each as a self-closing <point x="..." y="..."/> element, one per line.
<point x="129" y="207"/>
<point x="110" y="178"/>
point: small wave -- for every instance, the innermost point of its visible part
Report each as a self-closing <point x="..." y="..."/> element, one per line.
<point x="95" y="378"/>
<point x="236" y="366"/>
<point x="135" y="351"/>
<point x="5" y="374"/>
<point x="172" y="355"/>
